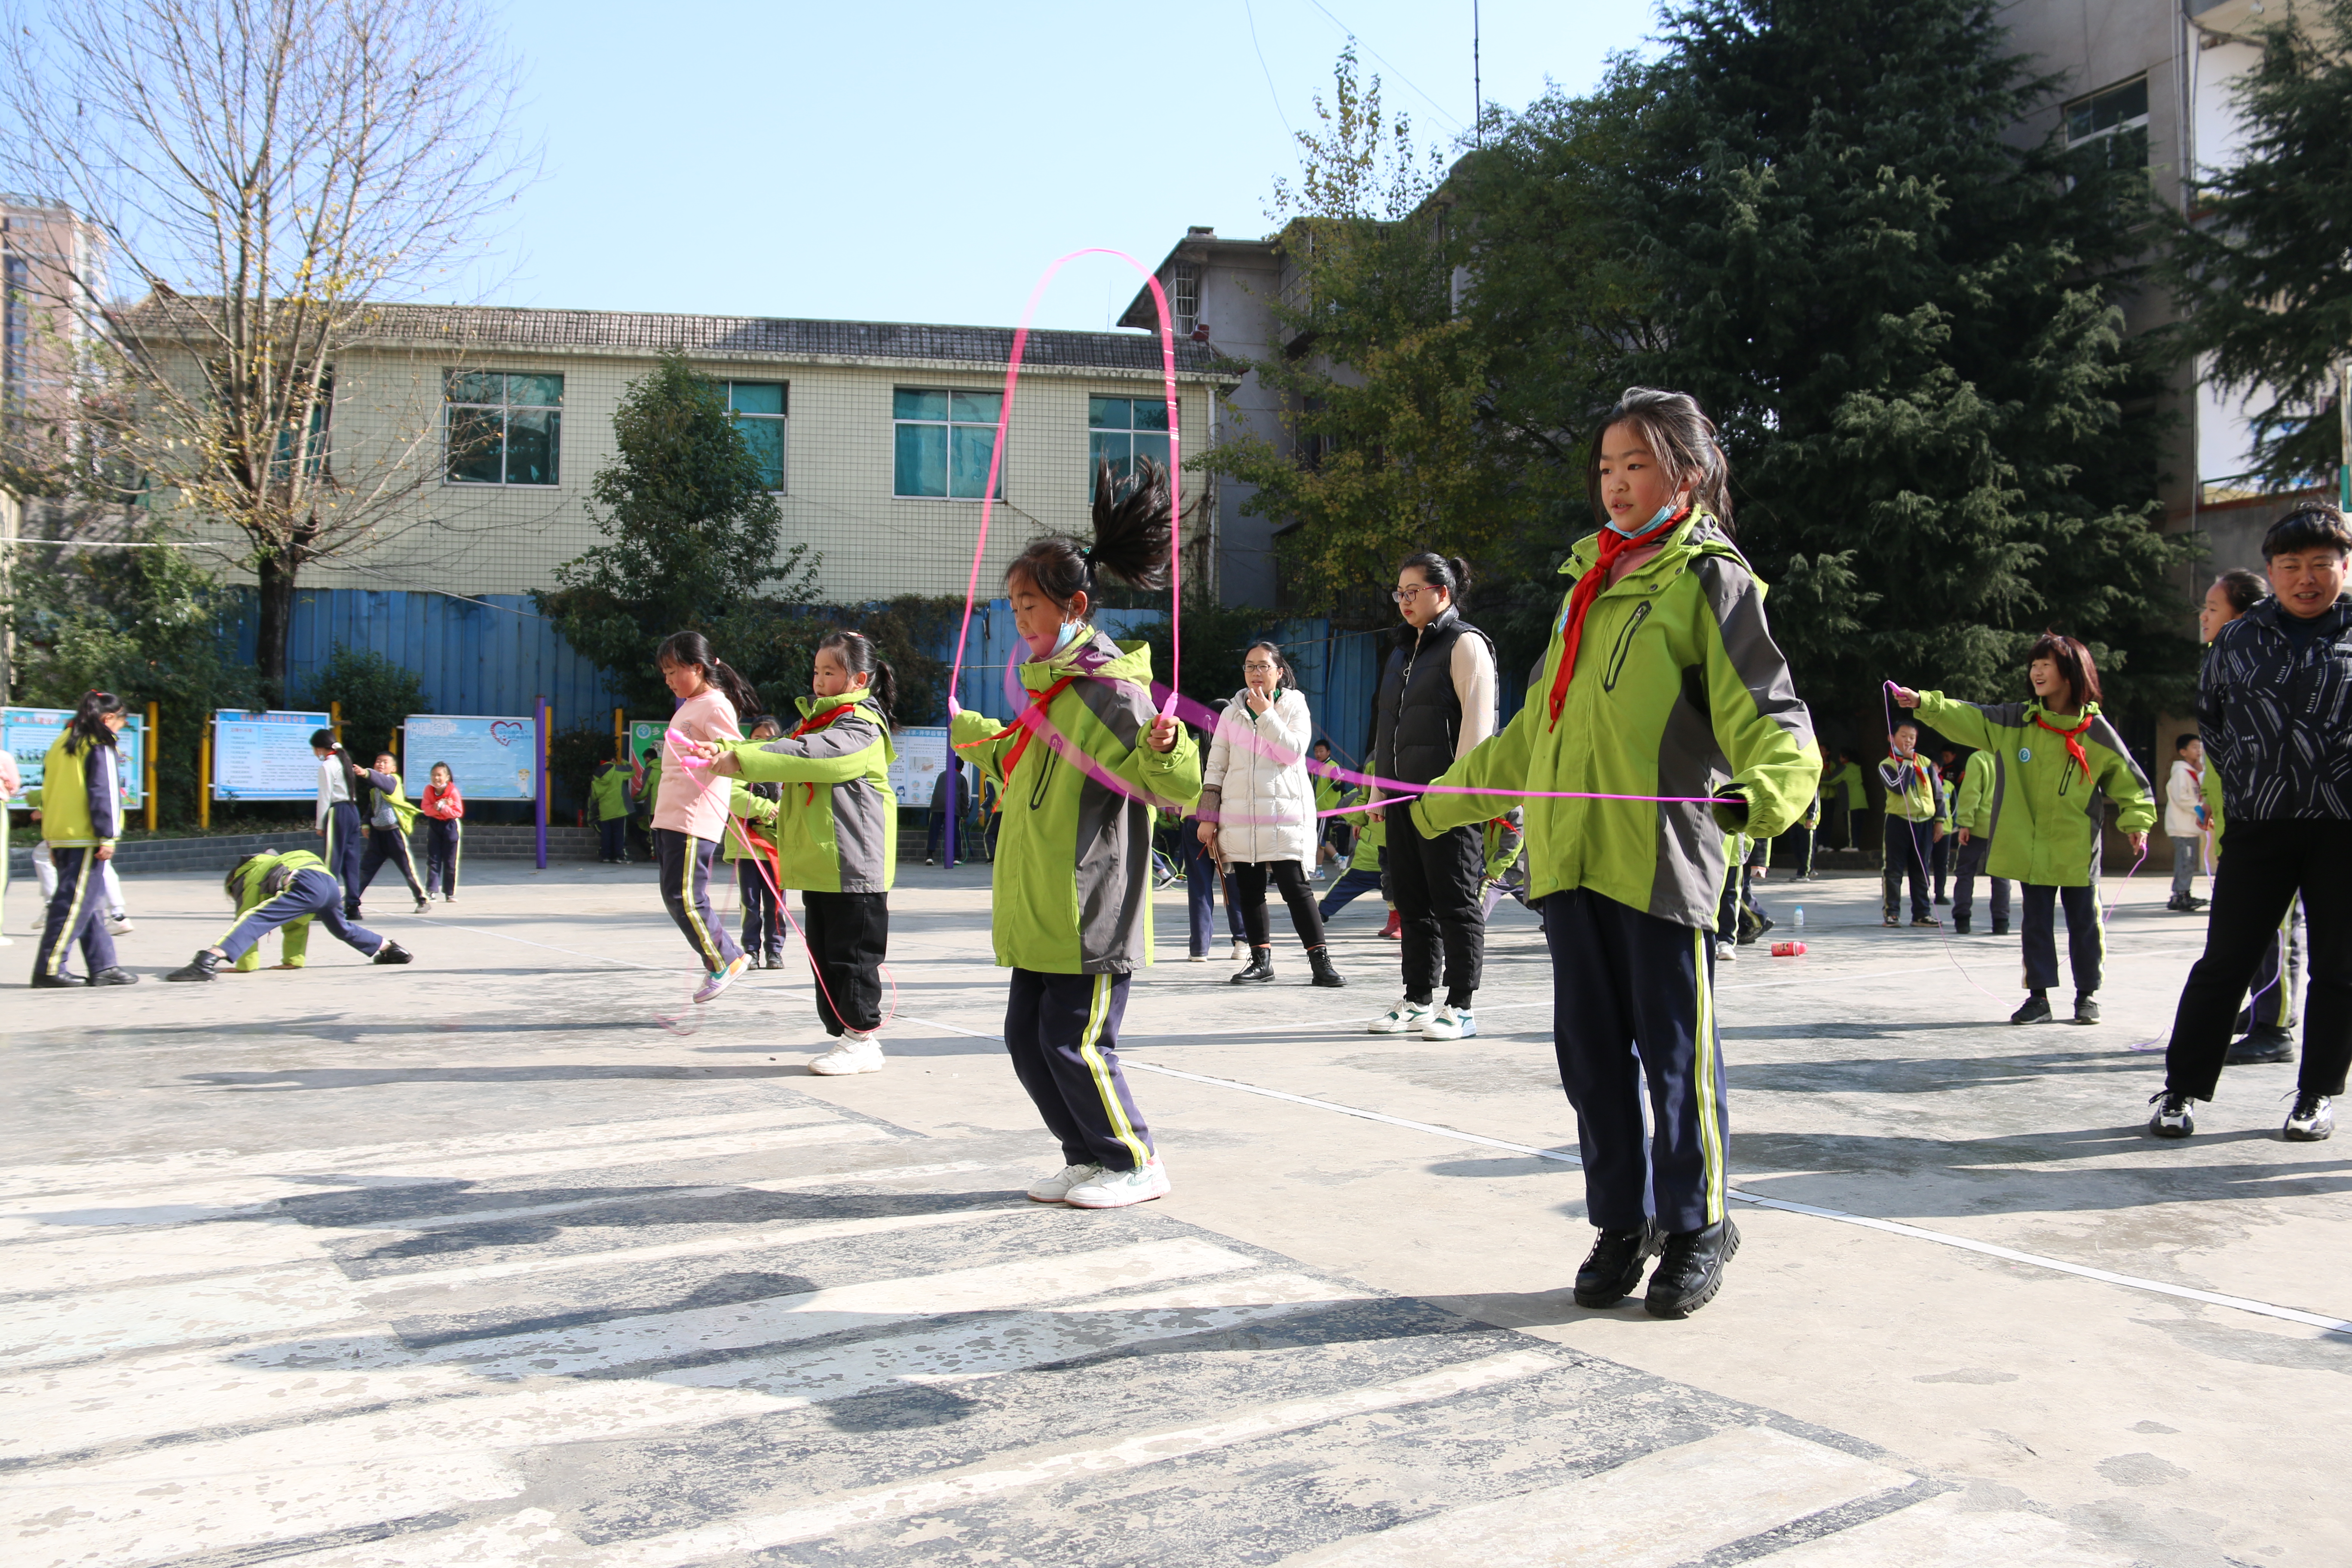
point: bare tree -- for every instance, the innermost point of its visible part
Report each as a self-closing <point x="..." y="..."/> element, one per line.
<point x="268" y="170"/>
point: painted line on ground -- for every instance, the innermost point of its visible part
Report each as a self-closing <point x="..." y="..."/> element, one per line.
<point x="1841" y="1217"/>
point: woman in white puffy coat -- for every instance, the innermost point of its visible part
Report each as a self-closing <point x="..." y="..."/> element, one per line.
<point x="1257" y="809"/>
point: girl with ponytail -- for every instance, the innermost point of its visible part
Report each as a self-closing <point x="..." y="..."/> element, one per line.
<point x="1072" y="902"/>
<point x="343" y="786"/>
<point x="81" y="817"/>
<point x="837" y="834"/>
<point x="1662" y="688"/>
<point x="689" y="814"/>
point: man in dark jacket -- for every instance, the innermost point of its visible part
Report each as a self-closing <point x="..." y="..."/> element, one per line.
<point x="2275" y="707"/>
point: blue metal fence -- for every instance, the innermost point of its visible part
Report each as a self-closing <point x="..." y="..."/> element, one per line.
<point x="490" y="654"/>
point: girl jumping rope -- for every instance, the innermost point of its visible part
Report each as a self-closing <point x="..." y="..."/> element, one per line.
<point x="1662" y="681"/>
<point x="2058" y="764"/>
<point x="1071" y="883"/>
<point x="836" y="836"/>
<point x="690" y="817"/>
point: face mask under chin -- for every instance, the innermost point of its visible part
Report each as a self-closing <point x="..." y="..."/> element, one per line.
<point x="1662" y="514"/>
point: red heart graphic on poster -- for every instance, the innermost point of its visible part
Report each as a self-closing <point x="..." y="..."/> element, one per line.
<point x="508" y="731"/>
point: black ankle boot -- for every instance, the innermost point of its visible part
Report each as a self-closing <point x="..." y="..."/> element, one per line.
<point x="1691" y="1272"/>
<point x="1320" y="960"/>
<point x="1260" y="970"/>
<point x="1615" y="1266"/>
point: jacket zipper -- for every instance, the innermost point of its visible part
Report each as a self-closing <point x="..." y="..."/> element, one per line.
<point x="1625" y="644"/>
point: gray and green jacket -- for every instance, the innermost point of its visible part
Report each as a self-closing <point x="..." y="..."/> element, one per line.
<point x="1073" y="869"/>
<point x="2046" y="816"/>
<point x="1678" y="689"/>
<point x="836" y="828"/>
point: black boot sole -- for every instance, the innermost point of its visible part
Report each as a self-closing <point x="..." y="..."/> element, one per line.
<point x="1707" y="1288"/>
<point x="1627" y="1284"/>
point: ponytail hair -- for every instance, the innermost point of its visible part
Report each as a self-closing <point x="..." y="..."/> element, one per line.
<point x="326" y="738"/>
<point x="1681" y="436"/>
<point x="2242" y="588"/>
<point x="1133" y="525"/>
<point x="88" y="725"/>
<point x="691" y="650"/>
<point x="856" y="651"/>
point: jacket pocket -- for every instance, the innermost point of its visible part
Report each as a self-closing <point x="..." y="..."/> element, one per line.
<point x="1624" y="644"/>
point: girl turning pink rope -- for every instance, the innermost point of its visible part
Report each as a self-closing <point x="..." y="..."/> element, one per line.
<point x="1662" y="679"/>
<point x="1071" y="901"/>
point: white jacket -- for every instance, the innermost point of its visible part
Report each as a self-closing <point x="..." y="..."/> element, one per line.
<point x="1255" y="782"/>
<point x="2181" y="799"/>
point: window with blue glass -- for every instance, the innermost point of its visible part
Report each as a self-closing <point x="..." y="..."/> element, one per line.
<point x="761" y="409"/>
<point x="944" y="441"/>
<point x="1121" y="429"/>
<point x="503" y="429"/>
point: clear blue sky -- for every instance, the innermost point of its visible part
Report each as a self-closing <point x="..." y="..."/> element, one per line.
<point x="924" y="162"/>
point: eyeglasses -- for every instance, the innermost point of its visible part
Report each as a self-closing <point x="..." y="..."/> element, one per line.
<point x="1259" y="667"/>
<point x="1406" y="595"/>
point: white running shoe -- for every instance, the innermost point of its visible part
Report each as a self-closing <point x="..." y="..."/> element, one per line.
<point x="1726" y="952"/>
<point x="1117" y="1189"/>
<point x="1053" y="1189"/>
<point x="1406" y="1017"/>
<point x="1240" y="952"/>
<point x="1450" y="1023"/>
<point x="852" y="1053"/>
<point x="720" y="979"/>
<point x="118" y="925"/>
<point x="1200" y="958"/>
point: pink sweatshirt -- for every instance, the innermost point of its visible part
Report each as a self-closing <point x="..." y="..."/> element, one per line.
<point x="691" y="800"/>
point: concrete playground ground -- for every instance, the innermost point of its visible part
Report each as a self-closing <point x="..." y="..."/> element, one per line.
<point x="479" y="1262"/>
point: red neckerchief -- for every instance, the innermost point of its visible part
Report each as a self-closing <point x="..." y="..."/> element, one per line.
<point x="1588" y="588"/>
<point x="816" y="721"/>
<point x="1030" y="718"/>
<point x="2073" y="746"/>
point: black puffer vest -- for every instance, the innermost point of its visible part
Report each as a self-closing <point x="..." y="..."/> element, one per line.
<point x="1419" y="717"/>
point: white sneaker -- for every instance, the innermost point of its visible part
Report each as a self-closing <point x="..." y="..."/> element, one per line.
<point x="1117" y="1189"/>
<point x="117" y="925"/>
<point x="1200" y="958"/>
<point x="852" y="1054"/>
<point x="1450" y="1023"/>
<point x="7" y="942"/>
<point x="1405" y="1018"/>
<point x="1726" y="952"/>
<point x="1053" y="1189"/>
<point x="1240" y="952"/>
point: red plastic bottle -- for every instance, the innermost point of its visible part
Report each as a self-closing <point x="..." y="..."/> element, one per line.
<point x="1788" y="950"/>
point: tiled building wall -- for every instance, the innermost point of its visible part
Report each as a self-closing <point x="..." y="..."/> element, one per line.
<point x="478" y="539"/>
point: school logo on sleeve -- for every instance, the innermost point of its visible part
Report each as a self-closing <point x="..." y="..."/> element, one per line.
<point x="2024" y="753"/>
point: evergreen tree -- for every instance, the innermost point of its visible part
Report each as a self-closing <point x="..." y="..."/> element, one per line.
<point x="691" y="532"/>
<point x="2264" y="264"/>
<point x="1906" y="326"/>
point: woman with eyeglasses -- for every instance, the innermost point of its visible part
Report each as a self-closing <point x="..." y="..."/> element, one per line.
<point x="1438" y="699"/>
<point x="1257" y="810"/>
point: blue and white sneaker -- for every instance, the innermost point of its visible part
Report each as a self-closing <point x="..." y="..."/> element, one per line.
<point x="1450" y="1023"/>
<point x="720" y="979"/>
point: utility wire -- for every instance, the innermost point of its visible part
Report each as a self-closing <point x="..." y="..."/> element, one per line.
<point x="1251" y="13"/>
<point x="1354" y="38"/>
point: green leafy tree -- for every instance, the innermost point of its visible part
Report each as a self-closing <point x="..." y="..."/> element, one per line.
<point x="2260" y="261"/>
<point x="373" y="695"/>
<point x="1385" y="446"/>
<point x="144" y="622"/>
<point x="691" y="533"/>
<point x="1906" y="326"/>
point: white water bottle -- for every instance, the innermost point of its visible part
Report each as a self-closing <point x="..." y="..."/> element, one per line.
<point x="1801" y="917"/>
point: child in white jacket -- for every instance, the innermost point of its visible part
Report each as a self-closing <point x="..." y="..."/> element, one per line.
<point x="2184" y="821"/>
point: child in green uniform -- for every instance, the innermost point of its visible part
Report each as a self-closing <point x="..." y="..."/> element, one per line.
<point x="273" y="892"/>
<point x="2059" y="765"/>
<point x="608" y="802"/>
<point x="1071" y="900"/>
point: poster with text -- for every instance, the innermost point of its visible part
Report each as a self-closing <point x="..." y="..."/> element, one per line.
<point x="923" y="758"/>
<point x="491" y="759"/>
<point x="28" y="731"/>
<point x="265" y="756"/>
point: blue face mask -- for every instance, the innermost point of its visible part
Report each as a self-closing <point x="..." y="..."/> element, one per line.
<point x="1067" y="636"/>
<point x="1664" y="512"/>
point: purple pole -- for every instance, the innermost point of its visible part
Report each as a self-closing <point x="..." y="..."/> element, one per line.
<point x="539" y="732"/>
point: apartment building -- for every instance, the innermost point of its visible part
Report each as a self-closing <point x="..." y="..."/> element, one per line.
<point x="877" y="436"/>
<point x="51" y="263"/>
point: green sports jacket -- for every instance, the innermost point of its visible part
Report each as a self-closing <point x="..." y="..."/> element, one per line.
<point x="2046" y="816"/>
<point x="294" y="936"/>
<point x="1678" y="690"/>
<point x="608" y="793"/>
<point x="1072" y="891"/>
<point x="1973" y="807"/>
<point x="837" y="829"/>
